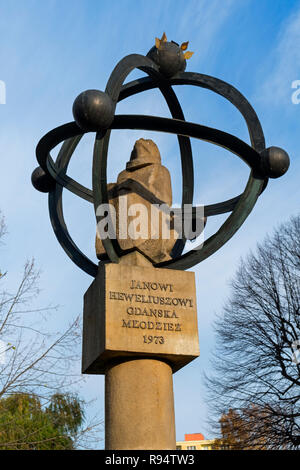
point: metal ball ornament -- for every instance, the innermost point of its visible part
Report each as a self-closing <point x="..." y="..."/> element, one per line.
<point x="93" y="110"/>
<point x="274" y="162"/>
<point x="42" y="181"/>
<point x="169" y="58"/>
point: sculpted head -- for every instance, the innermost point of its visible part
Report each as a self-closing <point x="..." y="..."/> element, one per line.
<point x="145" y="152"/>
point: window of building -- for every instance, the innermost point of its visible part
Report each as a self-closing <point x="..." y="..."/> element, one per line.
<point x="191" y="447"/>
<point x="178" y="447"/>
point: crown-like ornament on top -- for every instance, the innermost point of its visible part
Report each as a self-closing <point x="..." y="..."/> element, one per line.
<point x="169" y="56"/>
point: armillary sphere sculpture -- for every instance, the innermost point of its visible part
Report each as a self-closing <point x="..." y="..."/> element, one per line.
<point x="94" y="111"/>
<point x="140" y="321"/>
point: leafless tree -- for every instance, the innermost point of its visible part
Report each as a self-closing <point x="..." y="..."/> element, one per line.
<point x="256" y="364"/>
<point x="34" y="359"/>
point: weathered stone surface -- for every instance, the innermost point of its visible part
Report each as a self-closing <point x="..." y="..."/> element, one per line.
<point x="145" y="181"/>
<point x="139" y="311"/>
<point x="139" y="406"/>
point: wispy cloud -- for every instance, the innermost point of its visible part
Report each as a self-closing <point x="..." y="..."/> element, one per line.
<point x="283" y="65"/>
<point x="202" y="21"/>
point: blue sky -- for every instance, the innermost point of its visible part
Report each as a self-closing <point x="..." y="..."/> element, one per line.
<point x="50" y="51"/>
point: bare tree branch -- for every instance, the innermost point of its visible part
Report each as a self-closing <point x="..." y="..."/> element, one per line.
<point x="34" y="360"/>
<point x="256" y="365"/>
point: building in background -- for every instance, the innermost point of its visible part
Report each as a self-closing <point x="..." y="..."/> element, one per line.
<point x="195" y="441"/>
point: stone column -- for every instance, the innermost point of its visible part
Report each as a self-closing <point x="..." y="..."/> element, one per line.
<point x="139" y="406"/>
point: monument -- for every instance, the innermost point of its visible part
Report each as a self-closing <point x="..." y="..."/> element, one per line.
<point x="140" y="319"/>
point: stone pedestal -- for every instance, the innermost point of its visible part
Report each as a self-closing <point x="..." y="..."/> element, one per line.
<point x="139" y="406"/>
<point x="139" y="327"/>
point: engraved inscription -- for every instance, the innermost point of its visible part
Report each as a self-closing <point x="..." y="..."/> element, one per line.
<point x="151" y="286"/>
<point x="159" y="309"/>
<point x="156" y="339"/>
<point x="147" y="299"/>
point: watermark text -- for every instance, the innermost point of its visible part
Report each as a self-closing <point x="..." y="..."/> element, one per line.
<point x="2" y="92"/>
